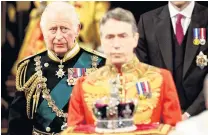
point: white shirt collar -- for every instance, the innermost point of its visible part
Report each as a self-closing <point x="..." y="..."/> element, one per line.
<point x="187" y="12"/>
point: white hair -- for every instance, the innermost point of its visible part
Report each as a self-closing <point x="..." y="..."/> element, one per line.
<point x="62" y="8"/>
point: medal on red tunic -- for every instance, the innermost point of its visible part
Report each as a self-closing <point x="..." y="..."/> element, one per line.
<point x="143" y="89"/>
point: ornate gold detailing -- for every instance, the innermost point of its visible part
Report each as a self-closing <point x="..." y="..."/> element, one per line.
<point x="201" y="60"/>
<point x="94" y="59"/>
<point x="30" y="86"/>
<point x="90" y="70"/>
<point x="125" y="68"/>
<point x="60" y="73"/>
<point x="132" y="72"/>
<point x="33" y="88"/>
<point x="51" y="104"/>
<point x="41" y="84"/>
<point x="93" y="51"/>
<point x="70" y="54"/>
<point x="29" y="95"/>
<point x="20" y="77"/>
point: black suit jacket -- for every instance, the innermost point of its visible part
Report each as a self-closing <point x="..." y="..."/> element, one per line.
<point x="155" y="48"/>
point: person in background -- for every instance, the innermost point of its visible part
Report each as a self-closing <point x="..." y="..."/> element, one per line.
<point x="174" y="37"/>
<point x="119" y="37"/>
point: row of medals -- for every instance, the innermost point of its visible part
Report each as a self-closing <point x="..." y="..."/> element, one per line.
<point x="201" y="59"/>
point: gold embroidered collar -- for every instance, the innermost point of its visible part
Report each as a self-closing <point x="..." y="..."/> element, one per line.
<point x="70" y="54"/>
<point x="125" y="68"/>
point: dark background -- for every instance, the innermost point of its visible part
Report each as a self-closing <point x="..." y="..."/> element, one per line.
<point x="9" y="52"/>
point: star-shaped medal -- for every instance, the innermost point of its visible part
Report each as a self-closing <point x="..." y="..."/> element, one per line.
<point x="60" y="73"/>
<point x="201" y="60"/>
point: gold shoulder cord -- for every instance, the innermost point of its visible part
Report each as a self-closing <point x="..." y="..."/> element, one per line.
<point x="21" y="75"/>
<point x="28" y="87"/>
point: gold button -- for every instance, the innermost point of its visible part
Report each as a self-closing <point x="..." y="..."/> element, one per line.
<point x="48" y="129"/>
<point x="46" y="64"/>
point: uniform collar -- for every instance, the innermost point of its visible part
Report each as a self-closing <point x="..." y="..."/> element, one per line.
<point x="70" y="54"/>
<point x="125" y="68"/>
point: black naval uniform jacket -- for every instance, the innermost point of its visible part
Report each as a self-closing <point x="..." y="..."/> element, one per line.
<point x="22" y="116"/>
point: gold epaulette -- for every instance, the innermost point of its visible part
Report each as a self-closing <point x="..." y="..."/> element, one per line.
<point x="21" y="83"/>
<point x="93" y="51"/>
<point x="28" y="57"/>
<point x="21" y="74"/>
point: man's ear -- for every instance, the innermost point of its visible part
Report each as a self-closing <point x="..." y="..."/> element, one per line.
<point x="78" y="29"/>
<point x="136" y="38"/>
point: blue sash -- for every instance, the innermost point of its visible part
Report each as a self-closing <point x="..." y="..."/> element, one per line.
<point x="61" y="92"/>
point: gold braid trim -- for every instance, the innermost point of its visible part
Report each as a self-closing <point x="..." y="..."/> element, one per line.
<point x="29" y="82"/>
<point x="21" y="73"/>
<point x="30" y="87"/>
<point x="93" y="51"/>
<point x="29" y="95"/>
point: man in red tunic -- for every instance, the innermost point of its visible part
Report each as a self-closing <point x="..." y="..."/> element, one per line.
<point x="157" y="99"/>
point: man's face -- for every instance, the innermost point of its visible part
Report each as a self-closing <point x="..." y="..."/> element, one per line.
<point x="118" y="41"/>
<point x="179" y="4"/>
<point x="59" y="33"/>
